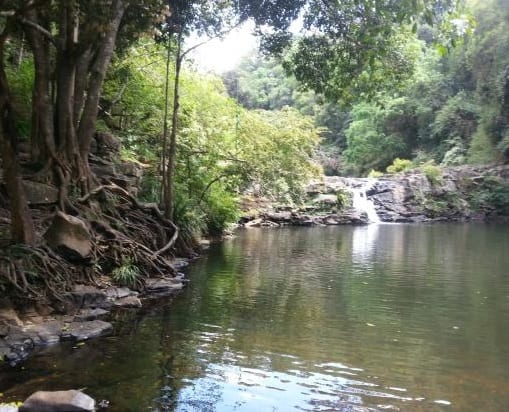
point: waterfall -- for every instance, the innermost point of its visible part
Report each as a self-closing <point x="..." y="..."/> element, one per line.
<point x="360" y="199"/>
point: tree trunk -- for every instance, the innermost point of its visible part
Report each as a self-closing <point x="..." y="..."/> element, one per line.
<point x="43" y="131"/>
<point x="98" y="72"/>
<point x="22" y="227"/>
<point x="82" y="69"/>
<point x="172" y="152"/>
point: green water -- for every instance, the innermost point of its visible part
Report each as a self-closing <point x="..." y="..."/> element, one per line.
<point x="385" y="317"/>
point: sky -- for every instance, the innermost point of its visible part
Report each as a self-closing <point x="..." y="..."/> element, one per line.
<point x="221" y="55"/>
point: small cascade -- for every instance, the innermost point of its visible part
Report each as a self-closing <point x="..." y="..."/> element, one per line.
<point x="360" y="199"/>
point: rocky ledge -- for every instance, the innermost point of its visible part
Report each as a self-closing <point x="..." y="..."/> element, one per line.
<point x="81" y="316"/>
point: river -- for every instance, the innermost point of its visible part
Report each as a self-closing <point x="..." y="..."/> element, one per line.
<point x="381" y="317"/>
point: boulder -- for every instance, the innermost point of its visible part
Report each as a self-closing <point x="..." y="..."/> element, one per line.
<point x="58" y="401"/>
<point x="69" y="236"/>
<point x="40" y="193"/>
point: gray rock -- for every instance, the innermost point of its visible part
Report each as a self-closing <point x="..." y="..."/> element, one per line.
<point x="82" y="297"/>
<point x="58" y="401"/>
<point x="40" y="193"/>
<point x="128" y="302"/>
<point x="114" y="292"/>
<point x="46" y="333"/>
<point x="90" y="314"/>
<point x="163" y="285"/>
<point x="86" y="330"/>
<point x="69" y="236"/>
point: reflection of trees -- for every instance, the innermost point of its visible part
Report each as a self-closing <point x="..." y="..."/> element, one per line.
<point x="274" y="297"/>
<point x="300" y="291"/>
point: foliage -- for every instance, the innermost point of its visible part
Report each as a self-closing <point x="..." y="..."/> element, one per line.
<point x="375" y="174"/>
<point x="400" y="165"/>
<point x="343" y="199"/>
<point x="433" y="173"/>
<point x="221" y="209"/>
<point x="127" y="274"/>
<point x="373" y="141"/>
<point x="21" y="79"/>
<point x="491" y="195"/>
<point x="222" y="148"/>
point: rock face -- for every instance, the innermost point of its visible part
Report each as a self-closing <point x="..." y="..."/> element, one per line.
<point x="69" y="236"/>
<point x="455" y="194"/>
<point x="58" y="401"/>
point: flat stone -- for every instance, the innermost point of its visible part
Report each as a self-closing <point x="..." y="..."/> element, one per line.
<point x="46" y="333"/>
<point x="90" y="314"/>
<point x="128" y="302"/>
<point x="119" y="293"/>
<point x="58" y="401"/>
<point x="163" y="285"/>
<point x="86" y="330"/>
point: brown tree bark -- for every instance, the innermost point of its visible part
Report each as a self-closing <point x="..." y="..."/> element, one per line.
<point x="22" y="227"/>
<point x="169" y="189"/>
<point x="97" y="74"/>
<point x="43" y="131"/>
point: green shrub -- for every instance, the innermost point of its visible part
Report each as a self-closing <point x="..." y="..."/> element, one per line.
<point x="344" y="199"/>
<point x="375" y="174"/>
<point x="492" y="195"/>
<point x="400" y="165"/>
<point x="433" y="173"/>
<point x="221" y="210"/>
<point x="127" y="274"/>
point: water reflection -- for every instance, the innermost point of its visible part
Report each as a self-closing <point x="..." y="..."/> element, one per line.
<point x="364" y="241"/>
<point x="398" y="317"/>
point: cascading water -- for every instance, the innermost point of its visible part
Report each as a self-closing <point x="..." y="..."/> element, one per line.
<point x="360" y="199"/>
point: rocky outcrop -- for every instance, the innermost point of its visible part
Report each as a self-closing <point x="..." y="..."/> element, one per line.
<point x="451" y="194"/>
<point x="457" y="194"/>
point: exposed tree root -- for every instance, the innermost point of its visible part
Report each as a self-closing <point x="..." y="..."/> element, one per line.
<point x="123" y="232"/>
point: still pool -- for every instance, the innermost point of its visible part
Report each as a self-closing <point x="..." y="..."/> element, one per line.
<point x="383" y="317"/>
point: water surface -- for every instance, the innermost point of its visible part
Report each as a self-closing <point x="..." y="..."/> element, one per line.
<point x="384" y="317"/>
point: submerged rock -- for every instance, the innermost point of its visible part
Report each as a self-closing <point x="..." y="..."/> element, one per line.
<point x="58" y="401"/>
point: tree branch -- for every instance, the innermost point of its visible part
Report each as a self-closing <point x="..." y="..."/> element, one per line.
<point x="39" y="28"/>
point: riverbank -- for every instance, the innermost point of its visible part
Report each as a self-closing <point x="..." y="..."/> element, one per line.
<point x="83" y="314"/>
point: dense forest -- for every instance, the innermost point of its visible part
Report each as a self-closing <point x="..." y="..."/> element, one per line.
<point x="364" y="85"/>
<point x="435" y="101"/>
